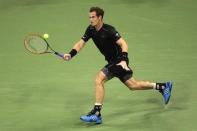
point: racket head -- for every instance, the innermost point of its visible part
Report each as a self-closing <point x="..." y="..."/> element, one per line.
<point x="36" y="44"/>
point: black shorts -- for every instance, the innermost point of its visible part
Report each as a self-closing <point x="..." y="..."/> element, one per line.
<point x="113" y="70"/>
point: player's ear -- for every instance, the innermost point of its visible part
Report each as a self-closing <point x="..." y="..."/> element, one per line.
<point x="100" y="17"/>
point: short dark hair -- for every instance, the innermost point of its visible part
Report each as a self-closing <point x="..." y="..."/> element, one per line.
<point x="98" y="10"/>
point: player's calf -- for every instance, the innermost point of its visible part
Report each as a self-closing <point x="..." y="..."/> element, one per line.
<point x="133" y="84"/>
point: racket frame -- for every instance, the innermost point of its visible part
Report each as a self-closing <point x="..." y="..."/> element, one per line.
<point x="27" y="38"/>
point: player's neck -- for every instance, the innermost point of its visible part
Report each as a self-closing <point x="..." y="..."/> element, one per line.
<point x="99" y="26"/>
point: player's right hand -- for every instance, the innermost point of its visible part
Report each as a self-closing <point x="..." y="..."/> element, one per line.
<point x="67" y="57"/>
<point x="123" y="64"/>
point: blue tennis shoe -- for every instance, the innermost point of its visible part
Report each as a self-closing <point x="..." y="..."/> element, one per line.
<point x="166" y="92"/>
<point x="92" y="118"/>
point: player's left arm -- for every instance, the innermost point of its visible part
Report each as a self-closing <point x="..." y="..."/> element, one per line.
<point x="122" y="43"/>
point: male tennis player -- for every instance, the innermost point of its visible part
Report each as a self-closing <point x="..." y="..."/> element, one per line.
<point x="115" y="49"/>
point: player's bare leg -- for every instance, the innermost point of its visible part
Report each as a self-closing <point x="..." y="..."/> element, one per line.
<point x="133" y="84"/>
<point x="95" y="114"/>
<point x="163" y="88"/>
<point x="99" y="87"/>
<point x="99" y="92"/>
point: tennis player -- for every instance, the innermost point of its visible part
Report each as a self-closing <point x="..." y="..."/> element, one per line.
<point x="115" y="50"/>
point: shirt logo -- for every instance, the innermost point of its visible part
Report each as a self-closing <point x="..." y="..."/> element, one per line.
<point x="117" y="34"/>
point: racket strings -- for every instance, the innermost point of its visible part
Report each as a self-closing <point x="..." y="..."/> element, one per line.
<point x="36" y="45"/>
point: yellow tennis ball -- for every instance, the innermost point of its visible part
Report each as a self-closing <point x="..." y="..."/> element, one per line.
<point x="46" y="36"/>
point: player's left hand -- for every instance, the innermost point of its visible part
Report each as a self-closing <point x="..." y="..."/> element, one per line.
<point x="124" y="65"/>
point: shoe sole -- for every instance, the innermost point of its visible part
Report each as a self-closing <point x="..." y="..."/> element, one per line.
<point x="96" y="122"/>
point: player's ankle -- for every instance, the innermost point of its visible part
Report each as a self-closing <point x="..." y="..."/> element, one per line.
<point x="97" y="109"/>
<point x="160" y="86"/>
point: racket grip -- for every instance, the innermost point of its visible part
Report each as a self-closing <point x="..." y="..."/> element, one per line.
<point x="58" y="54"/>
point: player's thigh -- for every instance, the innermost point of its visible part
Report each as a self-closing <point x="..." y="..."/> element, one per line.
<point x="105" y="71"/>
<point x="124" y="75"/>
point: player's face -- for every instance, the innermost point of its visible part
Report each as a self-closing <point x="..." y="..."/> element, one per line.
<point x="94" y="19"/>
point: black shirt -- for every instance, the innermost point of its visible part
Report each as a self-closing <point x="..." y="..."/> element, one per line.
<point x="105" y="40"/>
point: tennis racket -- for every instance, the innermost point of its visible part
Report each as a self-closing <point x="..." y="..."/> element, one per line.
<point x="36" y="44"/>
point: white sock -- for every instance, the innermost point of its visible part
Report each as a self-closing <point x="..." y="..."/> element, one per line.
<point x="154" y="85"/>
<point x="98" y="104"/>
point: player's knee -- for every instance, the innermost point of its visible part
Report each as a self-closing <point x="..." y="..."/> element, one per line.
<point x="98" y="80"/>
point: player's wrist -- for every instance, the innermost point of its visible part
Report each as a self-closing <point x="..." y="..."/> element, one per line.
<point x="73" y="52"/>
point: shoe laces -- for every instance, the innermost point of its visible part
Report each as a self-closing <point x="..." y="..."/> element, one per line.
<point x="92" y="112"/>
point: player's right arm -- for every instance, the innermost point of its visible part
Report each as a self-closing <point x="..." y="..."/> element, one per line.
<point x="76" y="48"/>
<point x="79" y="45"/>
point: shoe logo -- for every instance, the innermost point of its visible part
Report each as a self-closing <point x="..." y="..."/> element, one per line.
<point x="166" y="91"/>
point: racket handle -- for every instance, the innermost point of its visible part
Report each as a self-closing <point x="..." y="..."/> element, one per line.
<point x="58" y="54"/>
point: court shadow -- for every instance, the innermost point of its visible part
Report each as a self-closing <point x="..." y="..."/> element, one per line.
<point x="81" y="124"/>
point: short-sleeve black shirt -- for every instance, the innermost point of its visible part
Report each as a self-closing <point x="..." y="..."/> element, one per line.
<point x="105" y="40"/>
